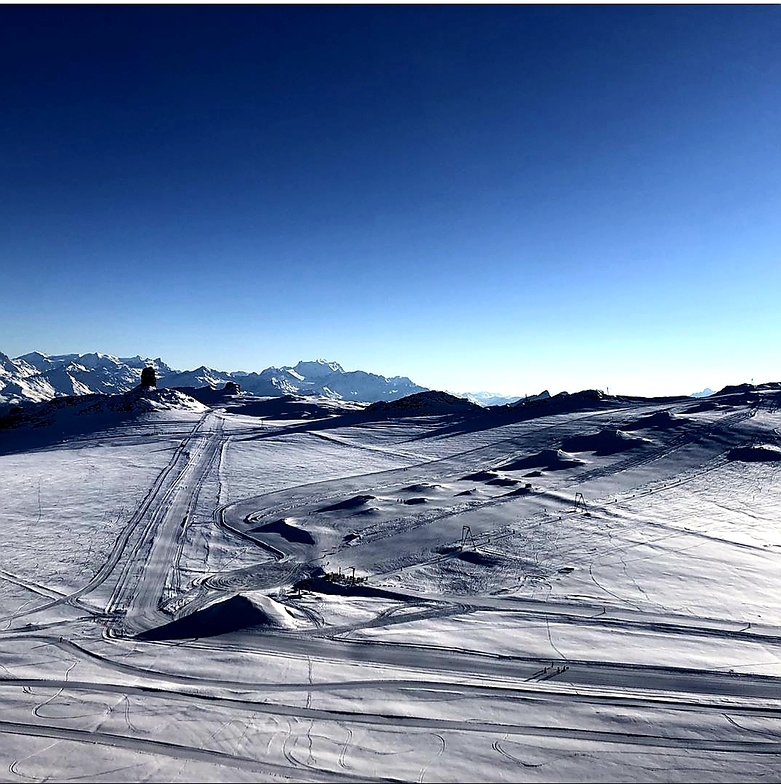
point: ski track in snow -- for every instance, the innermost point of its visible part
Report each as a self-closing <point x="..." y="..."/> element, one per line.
<point x="461" y="646"/>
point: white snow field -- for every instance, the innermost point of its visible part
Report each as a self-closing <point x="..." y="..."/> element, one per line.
<point x="587" y="590"/>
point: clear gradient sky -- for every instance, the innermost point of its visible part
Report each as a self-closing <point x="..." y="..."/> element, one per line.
<point x="507" y="198"/>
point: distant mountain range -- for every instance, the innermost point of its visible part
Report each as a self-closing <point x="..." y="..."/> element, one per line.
<point x="488" y="398"/>
<point x="37" y="377"/>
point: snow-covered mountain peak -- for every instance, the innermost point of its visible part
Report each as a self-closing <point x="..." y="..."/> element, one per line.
<point x="318" y="368"/>
<point x="15" y="367"/>
<point x="6" y="363"/>
<point x="95" y="360"/>
<point x="37" y="360"/>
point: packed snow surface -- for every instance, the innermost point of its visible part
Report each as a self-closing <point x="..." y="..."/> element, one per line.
<point x="575" y="588"/>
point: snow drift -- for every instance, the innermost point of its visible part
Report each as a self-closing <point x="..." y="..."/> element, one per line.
<point x="607" y="441"/>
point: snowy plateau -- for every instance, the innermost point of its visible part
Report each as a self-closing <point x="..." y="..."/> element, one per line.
<point x="199" y="584"/>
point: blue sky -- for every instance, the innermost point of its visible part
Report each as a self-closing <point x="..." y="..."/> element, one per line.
<point x="479" y="197"/>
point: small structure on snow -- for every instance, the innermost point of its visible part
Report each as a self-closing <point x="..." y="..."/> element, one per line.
<point x="148" y="378"/>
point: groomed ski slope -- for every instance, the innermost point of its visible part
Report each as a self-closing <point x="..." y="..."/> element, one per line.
<point x="582" y="596"/>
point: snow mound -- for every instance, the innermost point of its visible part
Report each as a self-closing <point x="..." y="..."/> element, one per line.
<point x="552" y="459"/>
<point x="420" y="487"/>
<point x="72" y="414"/>
<point x="480" y="476"/>
<point x="607" y="441"/>
<point x="490" y="478"/>
<point x="350" y="503"/>
<point x="239" y="612"/>
<point x="281" y="616"/>
<point x="759" y="453"/>
<point x="146" y="400"/>
<point x="424" y="404"/>
<point x="287" y="530"/>
<point x="525" y="490"/>
<point x="502" y="481"/>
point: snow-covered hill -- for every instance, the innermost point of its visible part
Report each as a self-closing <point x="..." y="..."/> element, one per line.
<point x="36" y="377"/>
<point x="424" y="404"/>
